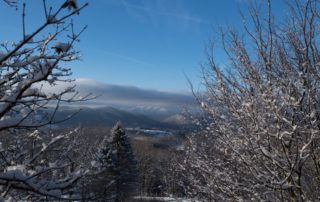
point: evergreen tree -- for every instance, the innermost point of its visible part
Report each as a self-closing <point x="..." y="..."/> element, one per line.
<point x="106" y="156"/>
<point x="101" y="184"/>
<point x="126" y="173"/>
<point x="107" y="168"/>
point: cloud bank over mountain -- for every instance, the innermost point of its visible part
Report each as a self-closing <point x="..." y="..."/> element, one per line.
<point x="130" y="96"/>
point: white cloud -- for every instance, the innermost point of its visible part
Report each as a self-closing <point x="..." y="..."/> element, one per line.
<point x="109" y="94"/>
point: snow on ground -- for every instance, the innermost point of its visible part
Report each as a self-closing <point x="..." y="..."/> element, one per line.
<point x="166" y="199"/>
<point x="149" y="132"/>
<point x="156" y="133"/>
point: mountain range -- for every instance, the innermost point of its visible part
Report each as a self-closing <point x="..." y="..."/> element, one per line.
<point x="109" y="116"/>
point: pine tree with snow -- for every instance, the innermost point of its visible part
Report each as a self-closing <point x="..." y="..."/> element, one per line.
<point x="102" y="183"/>
<point x="106" y="156"/>
<point x="126" y="173"/>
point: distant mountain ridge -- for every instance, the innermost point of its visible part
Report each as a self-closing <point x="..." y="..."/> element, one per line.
<point x="108" y="116"/>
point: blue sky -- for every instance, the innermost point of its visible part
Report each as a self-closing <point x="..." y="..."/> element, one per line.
<point x="145" y="43"/>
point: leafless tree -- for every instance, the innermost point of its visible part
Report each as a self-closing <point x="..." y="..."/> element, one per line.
<point x="36" y="163"/>
<point x="43" y="165"/>
<point x="259" y="137"/>
<point x="27" y="65"/>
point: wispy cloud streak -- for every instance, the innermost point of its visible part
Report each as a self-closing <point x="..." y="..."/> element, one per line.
<point x="179" y="13"/>
<point x="129" y="59"/>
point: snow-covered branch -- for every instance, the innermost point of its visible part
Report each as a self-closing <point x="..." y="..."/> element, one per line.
<point x="35" y="61"/>
<point x="259" y="139"/>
